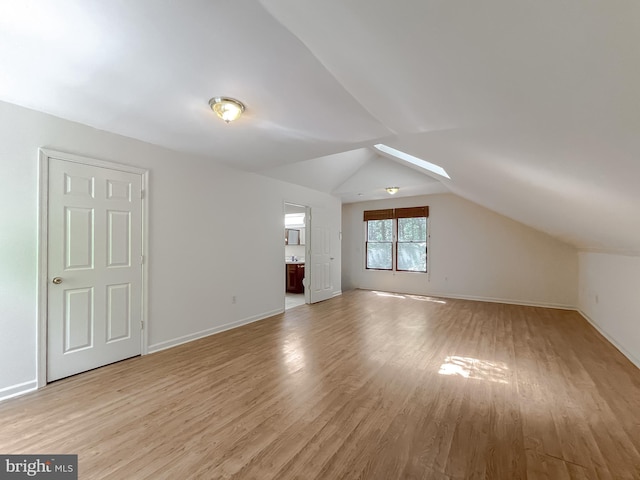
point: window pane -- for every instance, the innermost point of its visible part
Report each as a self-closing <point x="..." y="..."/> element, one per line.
<point x="379" y="255"/>
<point x="412" y="256"/>
<point x="380" y="230"/>
<point x="412" y="229"/>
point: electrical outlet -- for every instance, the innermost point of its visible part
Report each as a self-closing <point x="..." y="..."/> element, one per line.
<point x="234" y="299"/>
<point x="597" y="299"/>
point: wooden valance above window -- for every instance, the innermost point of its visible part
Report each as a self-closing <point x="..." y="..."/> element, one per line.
<point x="390" y="213"/>
<point x="378" y="214"/>
<point x="411" y="212"/>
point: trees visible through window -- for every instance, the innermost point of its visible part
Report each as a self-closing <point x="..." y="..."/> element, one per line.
<point x="397" y="239"/>
<point x="380" y="244"/>
<point x="412" y="244"/>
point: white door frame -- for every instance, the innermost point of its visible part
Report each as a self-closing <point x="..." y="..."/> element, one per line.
<point x="307" y="255"/>
<point x="44" y="154"/>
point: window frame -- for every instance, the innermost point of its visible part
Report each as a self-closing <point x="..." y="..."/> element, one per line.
<point x="367" y="242"/>
<point x="395" y="215"/>
<point x="426" y="246"/>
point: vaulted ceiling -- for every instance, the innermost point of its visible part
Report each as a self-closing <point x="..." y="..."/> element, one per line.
<point x="532" y="107"/>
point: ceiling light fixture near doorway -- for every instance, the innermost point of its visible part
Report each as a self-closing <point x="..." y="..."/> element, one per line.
<point x="228" y="109"/>
<point x="418" y="162"/>
<point x="392" y="190"/>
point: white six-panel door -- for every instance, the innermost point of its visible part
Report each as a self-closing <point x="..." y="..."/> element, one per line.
<point x="94" y="295"/>
<point x="321" y="283"/>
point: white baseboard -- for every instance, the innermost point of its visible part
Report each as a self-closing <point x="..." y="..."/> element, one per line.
<point x="610" y="339"/>
<point x="210" y="331"/>
<point x="19" y="389"/>
<point x="507" y="301"/>
<point x="337" y="293"/>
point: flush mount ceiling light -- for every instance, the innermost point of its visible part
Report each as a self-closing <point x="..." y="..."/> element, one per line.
<point x="392" y="190"/>
<point x="418" y="162"/>
<point x="228" y="109"/>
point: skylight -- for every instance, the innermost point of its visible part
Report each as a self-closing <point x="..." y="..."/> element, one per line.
<point x="418" y="162"/>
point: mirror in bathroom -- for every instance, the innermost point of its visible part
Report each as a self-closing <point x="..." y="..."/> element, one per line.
<point x="291" y="236"/>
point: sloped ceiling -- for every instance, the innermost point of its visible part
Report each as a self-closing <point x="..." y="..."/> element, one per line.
<point x="532" y="107"/>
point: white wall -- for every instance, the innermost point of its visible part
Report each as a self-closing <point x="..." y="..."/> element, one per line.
<point x="214" y="232"/>
<point x="473" y="253"/>
<point x="609" y="297"/>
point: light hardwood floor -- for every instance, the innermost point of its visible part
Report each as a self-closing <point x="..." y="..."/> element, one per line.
<point x="364" y="386"/>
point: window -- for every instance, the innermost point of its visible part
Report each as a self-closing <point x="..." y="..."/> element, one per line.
<point x="397" y="239"/>
<point x="380" y="244"/>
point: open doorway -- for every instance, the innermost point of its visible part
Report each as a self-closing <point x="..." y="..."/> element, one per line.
<point x="295" y="255"/>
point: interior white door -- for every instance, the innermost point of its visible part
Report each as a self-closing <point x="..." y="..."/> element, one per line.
<point x="94" y="295"/>
<point x="321" y="287"/>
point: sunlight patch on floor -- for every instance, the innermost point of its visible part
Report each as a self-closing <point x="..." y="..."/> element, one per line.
<point x="412" y="297"/>
<point x="475" y="369"/>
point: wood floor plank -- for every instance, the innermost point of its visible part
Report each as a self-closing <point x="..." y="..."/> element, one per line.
<point x="368" y="385"/>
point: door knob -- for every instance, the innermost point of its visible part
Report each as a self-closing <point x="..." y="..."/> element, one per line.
<point x="57" y="280"/>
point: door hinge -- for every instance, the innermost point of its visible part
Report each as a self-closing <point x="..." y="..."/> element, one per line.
<point x="141" y="259"/>
<point x="142" y="194"/>
<point x="141" y="324"/>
